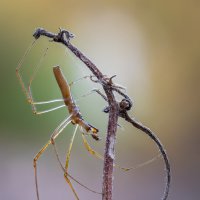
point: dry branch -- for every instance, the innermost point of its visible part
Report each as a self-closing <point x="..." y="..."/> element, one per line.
<point x="115" y="110"/>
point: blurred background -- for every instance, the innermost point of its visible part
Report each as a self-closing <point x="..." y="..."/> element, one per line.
<point x="153" y="48"/>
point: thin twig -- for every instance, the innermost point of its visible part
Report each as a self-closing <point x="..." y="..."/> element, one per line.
<point x="115" y="110"/>
<point x="152" y="135"/>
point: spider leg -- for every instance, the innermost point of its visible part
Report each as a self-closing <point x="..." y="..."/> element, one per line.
<point x="66" y="174"/>
<point x="68" y="156"/>
<point x="28" y="92"/>
<point x="99" y="156"/>
<point x="84" y="77"/>
<point x="96" y="154"/>
<point x="67" y="163"/>
<point x="57" y="131"/>
<point x="19" y="68"/>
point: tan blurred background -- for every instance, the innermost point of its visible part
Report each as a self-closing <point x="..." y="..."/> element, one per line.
<point x="153" y="48"/>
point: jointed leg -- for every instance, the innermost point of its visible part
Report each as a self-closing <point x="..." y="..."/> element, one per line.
<point x="46" y="111"/>
<point x="55" y="134"/>
<point x="70" y="148"/>
<point x="30" y="99"/>
<point x="97" y="155"/>
<point x="66" y="174"/>
<point x="147" y="162"/>
<point x="35" y="165"/>
<point x="19" y="68"/>
<point x="67" y="163"/>
<point x="26" y="91"/>
<point x="89" y="148"/>
<point x="84" y="77"/>
<point x="60" y="128"/>
<point x="91" y="77"/>
<point x="68" y="157"/>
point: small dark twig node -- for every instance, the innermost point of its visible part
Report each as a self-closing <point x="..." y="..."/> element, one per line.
<point x="125" y="104"/>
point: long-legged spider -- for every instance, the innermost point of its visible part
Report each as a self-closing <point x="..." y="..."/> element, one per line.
<point x="75" y="118"/>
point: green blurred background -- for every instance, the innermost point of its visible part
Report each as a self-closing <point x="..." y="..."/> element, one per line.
<point x="153" y="48"/>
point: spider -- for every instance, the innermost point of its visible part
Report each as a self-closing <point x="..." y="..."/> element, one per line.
<point x="75" y="117"/>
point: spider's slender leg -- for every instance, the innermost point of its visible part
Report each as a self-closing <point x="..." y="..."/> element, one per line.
<point x="30" y="97"/>
<point x="68" y="156"/>
<point x="67" y="163"/>
<point x="28" y="92"/>
<point x="57" y="131"/>
<point x="66" y="174"/>
<point x="19" y="68"/>
<point x="49" y="110"/>
<point x="97" y="155"/>
<point x="84" y="77"/>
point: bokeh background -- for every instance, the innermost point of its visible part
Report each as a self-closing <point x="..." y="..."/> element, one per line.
<point x="153" y="48"/>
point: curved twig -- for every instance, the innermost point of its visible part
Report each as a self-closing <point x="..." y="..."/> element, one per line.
<point x="147" y="131"/>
